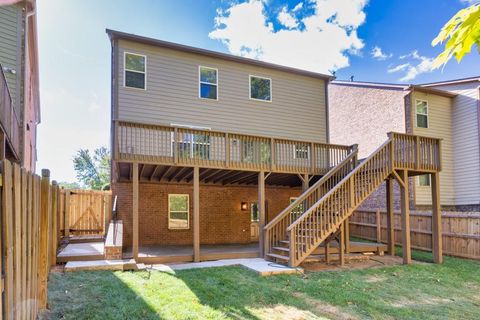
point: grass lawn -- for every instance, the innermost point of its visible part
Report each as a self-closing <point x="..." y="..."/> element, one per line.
<point x="419" y="291"/>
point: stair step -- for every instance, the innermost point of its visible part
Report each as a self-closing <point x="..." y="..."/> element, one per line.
<point x="281" y="249"/>
<point x="285" y="242"/>
<point x="278" y="256"/>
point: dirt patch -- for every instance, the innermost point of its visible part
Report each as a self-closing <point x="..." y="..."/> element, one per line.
<point x="408" y="303"/>
<point x="325" y="309"/>
<point x="370" y="262"/>
<point x="281" y="312"/>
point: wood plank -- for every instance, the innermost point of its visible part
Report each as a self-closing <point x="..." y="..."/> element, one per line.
<point x="390" y="218"/>
<point x="436" y="219"/>
<point x="8" y="234"/>
<point x="17" y="207"/>
<point x="261" y="212"/>
<point x="405" y="205"/>
<point x="43" y="239"/>
<point x="135" y="202"/>
<point x="196" y="214"/>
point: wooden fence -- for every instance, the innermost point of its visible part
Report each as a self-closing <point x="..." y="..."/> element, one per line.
<point x="29" y="211"/>
<point x="460" y="231"/>
<point x="85" y="212"/>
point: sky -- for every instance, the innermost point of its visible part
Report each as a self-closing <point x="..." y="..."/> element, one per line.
<point x="376" y="40"/>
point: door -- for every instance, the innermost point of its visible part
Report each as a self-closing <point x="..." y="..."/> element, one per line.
<point x="254" y="220"/>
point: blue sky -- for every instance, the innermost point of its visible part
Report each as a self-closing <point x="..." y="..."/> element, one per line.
<point x="339" y="35"/>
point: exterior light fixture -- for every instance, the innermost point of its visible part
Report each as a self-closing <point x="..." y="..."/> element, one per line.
<point x="244" y="206"/>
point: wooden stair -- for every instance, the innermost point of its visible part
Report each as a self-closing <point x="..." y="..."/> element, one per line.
<point x="326" y="205"/>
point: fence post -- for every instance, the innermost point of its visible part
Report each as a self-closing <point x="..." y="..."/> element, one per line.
<point x="66" y="215"/>
<point x="54" y="224"/>
<point x="379" y="226"/>
<point x="43" y="239"/>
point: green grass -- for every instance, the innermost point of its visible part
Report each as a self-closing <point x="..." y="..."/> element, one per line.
<point x="419" y="291"/>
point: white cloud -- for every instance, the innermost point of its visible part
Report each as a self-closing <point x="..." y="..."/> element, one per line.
<point x="470" y="2"/>
<point x="378" y="54"/>
<point x="318" y="42"/>
<point x="287" y="19"/>
<point x="299" y="6"/>
<point x="419" y="64"/>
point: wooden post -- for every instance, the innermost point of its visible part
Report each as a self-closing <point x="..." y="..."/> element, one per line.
<point x="43" y="241"/>
<point x="305" y="182"/>
<point x="66" y="217"/>
<point x="405" y="204"/>
<point x="261" y="211"/>
<point x="54" y="208"/>
<point x="196" y="214"/>
<point x="436" y="219"/>
<point x="347" y="235"/>
<point x="135" y="211"/>
<point x="327" y="253"/>
<point x="378" y="219"/>
<point x="390" y="219"/>
<point x="341" y="245"/>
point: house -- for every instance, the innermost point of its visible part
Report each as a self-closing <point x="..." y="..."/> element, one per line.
<point x="447" y="110"/>
<point x="218" y="156"/>
<point x="20" y="99"/>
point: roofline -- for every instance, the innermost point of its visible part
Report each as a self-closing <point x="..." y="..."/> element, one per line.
<point x="461" y="80"/>
<point x="371" y="84"/>
<point x="443" y="93"/>
<point x="114" y="35"/>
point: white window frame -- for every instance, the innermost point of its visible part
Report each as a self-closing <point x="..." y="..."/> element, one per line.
<point x="200" y="82"/>
<point x="188" y="211"/>
<point x="429" y="181"/>
<point x="295" y="152"/>
<point x="250" y="88"/>
<point x="125" y="70"/>
<point x="423" y="114"/>
<point x="258" y="213"/>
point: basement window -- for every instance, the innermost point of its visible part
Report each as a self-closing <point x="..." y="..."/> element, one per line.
<point x="135" y="71"/>
<point x="422" y="113"/>
<point x="424" y="180"/>
<point x="260" y="88"/>
<point x="178" y="211"/>
<point x="208" y="83"/>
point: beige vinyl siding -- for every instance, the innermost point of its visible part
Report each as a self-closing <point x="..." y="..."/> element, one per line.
<point x="439" y="126"/>
<point x="465" y="142"/>
<point x="297" y="110"/>
<point x="9" y="43"/>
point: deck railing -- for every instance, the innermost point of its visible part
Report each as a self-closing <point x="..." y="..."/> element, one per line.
<point x="8" y="116"/>
<point x="400" y="151"/>
<point x="170" y="145"/>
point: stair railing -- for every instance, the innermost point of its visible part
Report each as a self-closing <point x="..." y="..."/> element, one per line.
<point x="275" y="230"/>
<point x="400" y="151"/>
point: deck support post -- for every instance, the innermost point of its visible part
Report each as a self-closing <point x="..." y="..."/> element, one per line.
<point x="261" y="212"/>
<point x="196" y="214"/>
<point x="390" y="218"/>
<point x="341" y="244"/>
<point x="135" y="202"/>
<point x="347" y="235"/>
<point x="305" y="182"/>
<point x="327" y="251"/>
<point x="405" y="204"/>
<point x="436" y="219"/>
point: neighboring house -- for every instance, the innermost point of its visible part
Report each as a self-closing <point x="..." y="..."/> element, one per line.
<point x="447" y="110"/>
<point x="20" y="102"/>
<point x="210" y="152"/>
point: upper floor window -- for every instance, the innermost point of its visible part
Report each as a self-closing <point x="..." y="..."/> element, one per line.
<point x="260" y="88"/>
<point x="302" y="151"/>
<point x="208" y="83"/>
<point x="422" y="113"/>
<point x="135" y="70"/>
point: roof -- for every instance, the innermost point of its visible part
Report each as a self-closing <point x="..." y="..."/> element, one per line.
<point x="394" y="86"/>
<point x="114" y="35"/>
<point x="371" y="84"/>
<point x="455" y="81"/>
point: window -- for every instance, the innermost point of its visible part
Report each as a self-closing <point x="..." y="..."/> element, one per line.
<point x="178" y="217"/>
<point x="260" y="88"/>
<point x="424" y="180"/>
<point x="302" y="151"/>
<point x="135" y="70"/>
<point x="208" y="83"/>
<point x="193" y="146"/>
<point x="422" y="113"/>
<point x="254" y="216"/>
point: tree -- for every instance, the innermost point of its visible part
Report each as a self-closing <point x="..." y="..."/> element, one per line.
<point x="69" y="185"/>
<point x="93" y="171"/>
<point x="460" y="34"/>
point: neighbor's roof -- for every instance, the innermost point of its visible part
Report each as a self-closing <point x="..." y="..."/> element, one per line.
<point x="394" y="86"/>
<point x="455" y="81"/>
<point x="180" y="47"/>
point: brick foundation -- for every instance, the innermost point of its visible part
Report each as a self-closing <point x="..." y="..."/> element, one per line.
<point x="221" y="218"/>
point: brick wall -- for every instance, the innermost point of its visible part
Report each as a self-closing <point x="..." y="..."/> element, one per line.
<point x="221" y="218"/>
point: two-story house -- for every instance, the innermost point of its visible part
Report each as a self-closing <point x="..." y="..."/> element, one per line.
<point x="217" y="156"/>
<point x="19" y="89"/>
<point x="448" y="110"/>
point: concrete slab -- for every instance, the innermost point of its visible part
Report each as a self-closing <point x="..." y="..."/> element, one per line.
<point x="258" y="265"/>
<point x="82" y="249"/>
<point x="113" y="265"/>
